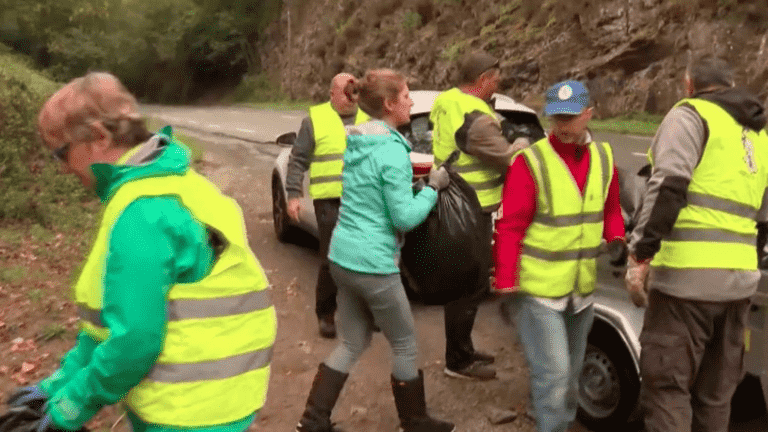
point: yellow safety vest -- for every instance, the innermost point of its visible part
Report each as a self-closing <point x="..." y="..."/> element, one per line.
<point x="447" y="116"/>
<point x="214" y="366"/>
<point x="716" y="229"/>
<point x="562" y="243"/>
<point x="330" y="144"/>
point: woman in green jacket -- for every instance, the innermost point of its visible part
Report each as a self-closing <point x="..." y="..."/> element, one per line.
<point x="378" y="206"/>
<point x="175" y="316"/>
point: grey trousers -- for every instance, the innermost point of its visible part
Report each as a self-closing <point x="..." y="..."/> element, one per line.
<point x="364" y="299"/>
<point x="691" y="362"/>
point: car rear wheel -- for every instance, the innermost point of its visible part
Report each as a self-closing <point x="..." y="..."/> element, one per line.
<point x="283" y="229"/>
<point x="609" y="385"/>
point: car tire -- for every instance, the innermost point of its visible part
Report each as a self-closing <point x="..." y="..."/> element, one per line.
<point x="609" y="384"/>
<point x="285" y="232"/>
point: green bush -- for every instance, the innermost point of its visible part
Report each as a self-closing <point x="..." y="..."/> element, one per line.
<point x="162" y="50"/>
<point x="411" y="20"/>
<point x="257" y="88"/>
<point x="452" y="52"/>
<point x="31" y="187"/>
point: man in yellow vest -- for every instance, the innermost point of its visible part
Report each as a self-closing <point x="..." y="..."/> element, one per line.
<point x="463" y="120"/>
<point x="696" y="235"/>
<point x="561" y="200"/>
<point x="319" y="148"/>
<point x="176" y="318"/>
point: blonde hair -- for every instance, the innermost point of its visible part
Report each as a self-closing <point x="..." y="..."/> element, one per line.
<point x="70" y="113"/>
<point x="377" y="86"/>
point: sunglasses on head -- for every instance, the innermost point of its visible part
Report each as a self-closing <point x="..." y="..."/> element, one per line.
<point x="61" y="153"/>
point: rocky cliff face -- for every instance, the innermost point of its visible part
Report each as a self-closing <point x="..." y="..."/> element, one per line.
<point x="631" y="53"/>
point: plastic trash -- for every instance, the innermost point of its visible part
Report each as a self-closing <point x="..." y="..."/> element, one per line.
<point x="442" y="257"/>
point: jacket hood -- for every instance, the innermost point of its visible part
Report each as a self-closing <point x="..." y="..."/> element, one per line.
<point x="160" y="156"/>
<point x="744" y="107"/>
<point x="365" y="138"/>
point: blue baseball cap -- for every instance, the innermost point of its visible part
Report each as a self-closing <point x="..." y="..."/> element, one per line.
<point x="567" y="97"/>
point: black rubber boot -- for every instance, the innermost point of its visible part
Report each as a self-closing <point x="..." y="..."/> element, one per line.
<point x="322" y="397"/>
<point x="412" y="407"/>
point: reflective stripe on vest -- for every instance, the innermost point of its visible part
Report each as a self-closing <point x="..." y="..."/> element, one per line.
<point x="214" y="365"/>
<point x="447" y="116"/>
<point x="330" y="144"/>
<point x="563" y="241"/>
<point x="716" y="229"/>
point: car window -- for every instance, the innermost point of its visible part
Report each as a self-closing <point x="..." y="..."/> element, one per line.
<point x="518" y="124"/>
<point x="419" y="133"/>
<point x="515" y="124"/>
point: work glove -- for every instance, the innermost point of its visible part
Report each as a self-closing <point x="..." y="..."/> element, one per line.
<point x="19" y="419"/>
<point x="618" y="251"/>
<point x="636" y="281"/>
<point x="438" y="179"/>
<point x="46" y="425"/>
<point x="30" y="396"/>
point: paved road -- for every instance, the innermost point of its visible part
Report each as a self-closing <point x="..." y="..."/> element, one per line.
<point x="256" y="126"/>
<point x="263" y="126"/>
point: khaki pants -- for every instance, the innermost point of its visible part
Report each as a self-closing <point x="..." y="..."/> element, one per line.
<point x="691" y="362"/>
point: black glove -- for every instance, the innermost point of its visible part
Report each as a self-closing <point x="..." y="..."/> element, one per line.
<point x="30" y="396"/>
<point x="617" y="251"/>
<point x="25" y="419"/>
<point x="20" y="419"/>
<point x="439" y="179"/>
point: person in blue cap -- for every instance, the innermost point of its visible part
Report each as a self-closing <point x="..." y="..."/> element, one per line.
<point x="560" y="201"/>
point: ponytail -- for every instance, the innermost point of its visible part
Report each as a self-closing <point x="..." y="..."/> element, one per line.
<point x="377" y="86"/>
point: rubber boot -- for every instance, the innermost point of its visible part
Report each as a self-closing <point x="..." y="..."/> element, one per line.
<point x="326" y="388"/>
<point x="412" y="407"/>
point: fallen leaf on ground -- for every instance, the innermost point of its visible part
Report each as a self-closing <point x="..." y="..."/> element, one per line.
<point x="23" y="345"/>
<point x="19" y="378"/>
<point x="41" y="357"/>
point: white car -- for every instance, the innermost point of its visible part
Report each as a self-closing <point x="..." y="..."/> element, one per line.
<point x="518" y="118"/>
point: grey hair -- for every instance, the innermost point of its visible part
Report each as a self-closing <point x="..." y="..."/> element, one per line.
<point x="97" y="97"/>
<point x="119" y="108"/>
<point x="708" y="72"/>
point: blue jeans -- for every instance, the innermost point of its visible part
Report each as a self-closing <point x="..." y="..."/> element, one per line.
<point x="365" y="299"/>
<point x="554" y="344"/>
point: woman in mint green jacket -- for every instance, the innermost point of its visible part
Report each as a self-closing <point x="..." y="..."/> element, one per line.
<point x="378" y="205"/>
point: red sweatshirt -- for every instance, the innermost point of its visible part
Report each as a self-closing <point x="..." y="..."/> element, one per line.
<point x="519" y="207"/>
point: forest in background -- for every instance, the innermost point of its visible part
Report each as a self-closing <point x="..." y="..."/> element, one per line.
<point x="167" y="51"/>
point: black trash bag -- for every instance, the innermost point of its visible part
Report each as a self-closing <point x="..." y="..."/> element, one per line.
<point x="442" y="257"/>
<point x="20" y="419"/>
